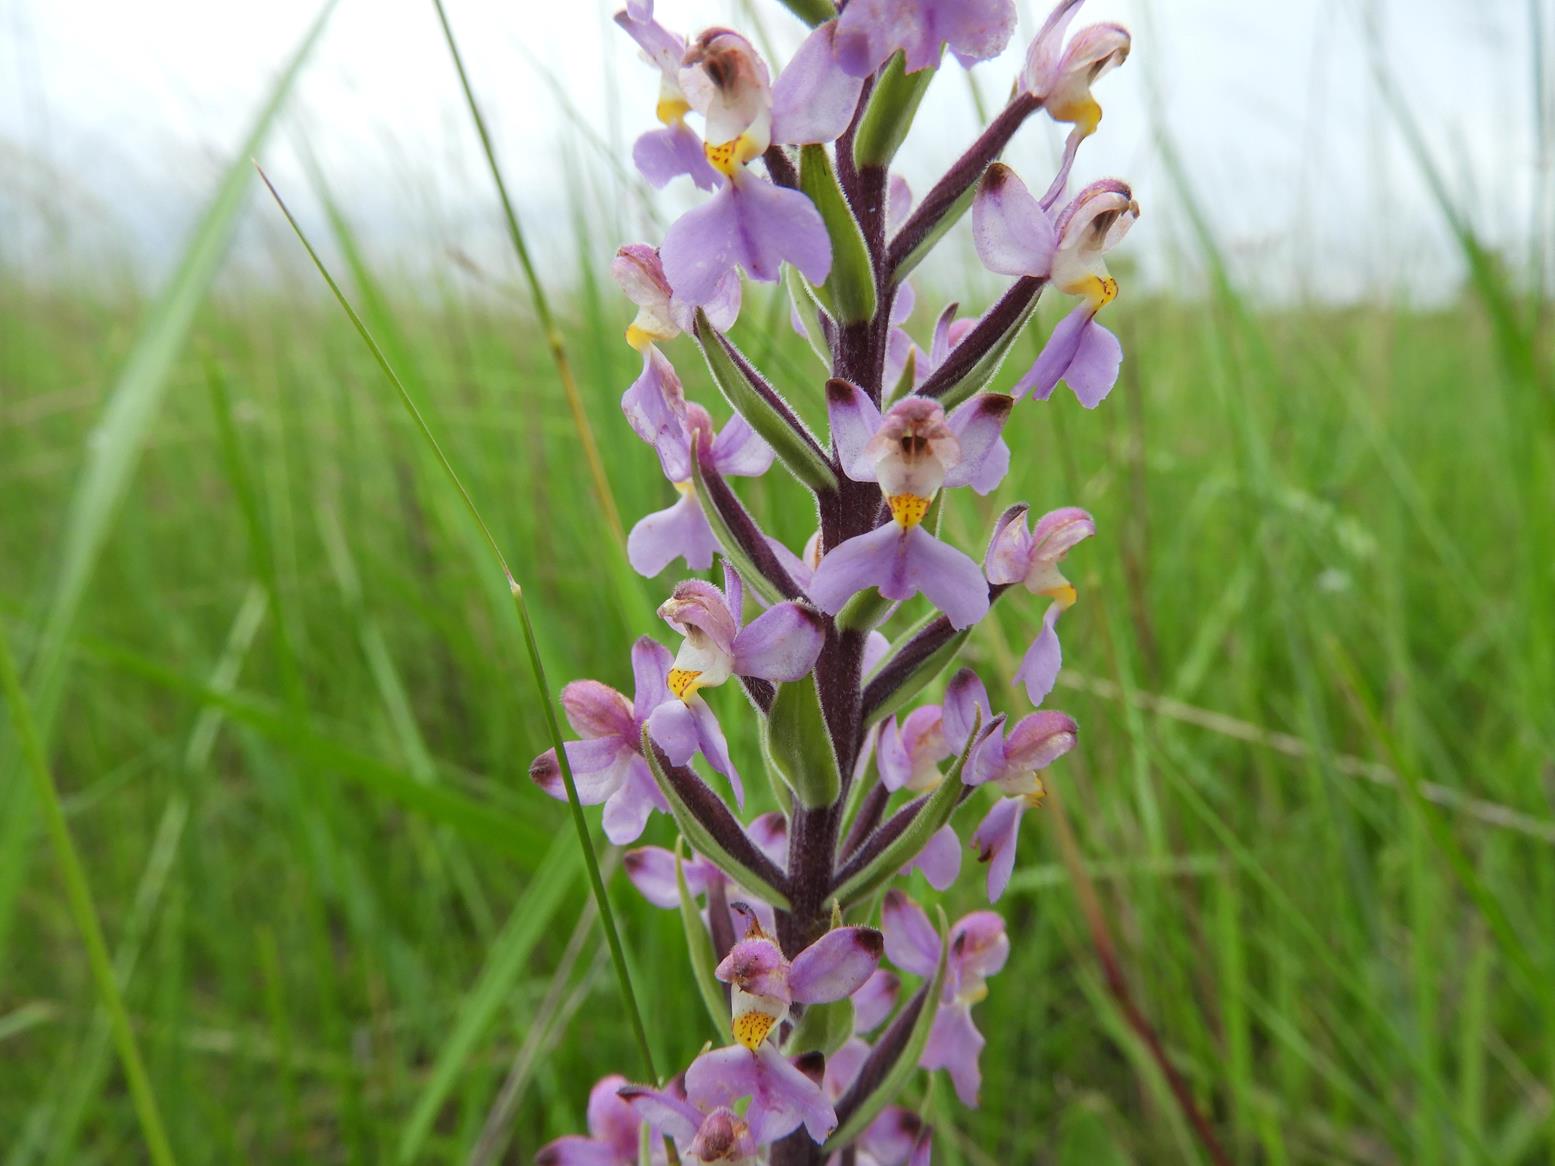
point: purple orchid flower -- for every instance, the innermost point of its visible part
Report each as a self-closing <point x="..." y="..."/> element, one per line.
<point x="614" y="1129"/>
<point x="652" y="871"/>
<point x="780" y="644"/>
<point x="897" y="1137"/>
<point x="639" y="271"/>
<point x="1013" y="762"/>
<point x="870" y="31"/>
<point x="1031" y="558"/>
<point x="666" y="154"/>
<point x="979" y="948"/>
<point x="1061" y="77"/>
<point x="704" y="1124"/>
<point x="607" y="763"/>
<point x="658" y="412"/>
<point x="764" y="984"/>
<point x="911" y="451"/>
<point x="1014" y="237"/>
<point x="750" y="223"/>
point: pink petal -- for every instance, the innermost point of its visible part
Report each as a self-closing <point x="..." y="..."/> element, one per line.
<point x="813" y="99"/>
<point x="1040" y="666"/>
<point x="995" y="839"/>
<point x="679" y="532"/>
<point x="1013" y="235"/>
<point x="781" y="643"/>
<point x="835" y="965"/>
<point x="911" y="943"/>
<point x="940" y="858"/>
<point x="854" y="422"/>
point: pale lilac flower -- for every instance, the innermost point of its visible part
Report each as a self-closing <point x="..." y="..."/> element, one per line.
<point x="979" y="948"/>
<point x="875" y="1000"/>
<point x="897" y="1137"/>
<point x="662" y="155"/>
<point x="704" y="1124"/>
<point x="764" y="984"/>
<point x="1062" y="76"/>
<point x="660" y="316"/>
<point x="870" y="31"/>
<point x="613" y="1132"/>
<point x="1014" y="764"/>
<point x="1013" y="238"/>
<point x="780" y="644"/>
<point x="911" y="451"/>
<point x="607" y="763"/>
<point x="659" y="413"/>
<point x="652" y="871"/>
<point x="1031" y="558"/>
<point x="750" y="223"/>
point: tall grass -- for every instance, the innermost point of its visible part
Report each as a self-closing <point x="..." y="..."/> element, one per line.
<point x="1312" y="664"/>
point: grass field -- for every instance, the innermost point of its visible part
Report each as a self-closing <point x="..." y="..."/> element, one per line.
<point x="285" y="704"/>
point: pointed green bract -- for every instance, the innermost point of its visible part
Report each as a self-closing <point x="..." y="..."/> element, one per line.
<point x="849" y="290"/>
<point x="798" y="744"/>
<point x="701" y="840"/>
<point x="802" y="296"/>
<point x="797" y="451"/>
<point x="892" y="106"/>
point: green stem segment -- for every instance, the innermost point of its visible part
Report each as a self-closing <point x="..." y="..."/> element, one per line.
<point x="596" y="883"/>
<point x="79" y="893"/>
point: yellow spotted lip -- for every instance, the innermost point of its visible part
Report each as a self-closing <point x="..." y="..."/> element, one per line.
<point x="683" y="681"/>
<point x="729" y="156"/>
<point x="908" y="509"/>
<point x="752" y="1028"/>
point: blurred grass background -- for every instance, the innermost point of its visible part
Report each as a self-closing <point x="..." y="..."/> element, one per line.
<point x="287" y="712"/>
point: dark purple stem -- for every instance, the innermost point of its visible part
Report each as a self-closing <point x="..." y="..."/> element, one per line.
<point x="988" y="331"/>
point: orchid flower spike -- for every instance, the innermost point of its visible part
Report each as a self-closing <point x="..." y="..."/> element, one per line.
<point x="666" y="154"/>
<point x="659" y="413"/>
<point x="1031" y="558"/>
<point x="750" y="223"/>
<point x="911" y="451"/>
<point x="780" y="644"/>
<point x="607" y="763"/>
<point x="979" y="948"/>
<point x="1014" y="237"/>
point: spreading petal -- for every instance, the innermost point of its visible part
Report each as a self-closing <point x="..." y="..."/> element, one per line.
<point x="1013" y="235"/>
<point x="835" y="965"/>
<point x="675" y="1116"/>
<point x="781" y="643"/>
<point x="739" y="453"/>
<point x="652" y="871"/>
<point x="678" y="532"/>
<point x="873" y="1002"/>
<point x="911" y="943"/>
<point x="627" y="810"/>
<point x="813" y="98"/>
<point x="995" y="839"/>
<point x="650" y="667"/>
<point x="1040" y="666"/>
<point x="940" y="858"/>
<point x="984" y="456"/>
<point x="663" y="155"/>
<point x="854" y="423"/>
<point x="749" y="223"/>
<point x="955" y="1045"/>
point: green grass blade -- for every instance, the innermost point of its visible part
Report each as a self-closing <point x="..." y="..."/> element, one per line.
<point x="82" y="907"/>
<point x="528" y="924"/>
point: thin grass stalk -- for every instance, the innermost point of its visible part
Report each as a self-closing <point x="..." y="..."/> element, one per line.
<point x="542" y="305"/>
<point x="596" y="883"/>
<point x="82" y="906"/>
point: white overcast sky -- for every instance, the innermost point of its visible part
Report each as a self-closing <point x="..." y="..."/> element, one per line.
<point x="115" y="119"/>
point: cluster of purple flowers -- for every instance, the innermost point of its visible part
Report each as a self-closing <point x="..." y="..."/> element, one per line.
<point x="822" y="1037"/>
